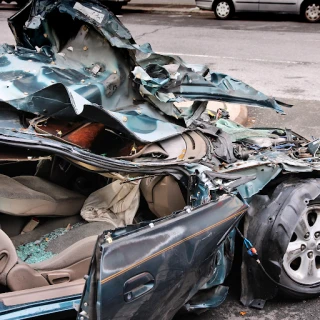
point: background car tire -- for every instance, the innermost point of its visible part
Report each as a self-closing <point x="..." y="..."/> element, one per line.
<point x="115" y="7"/>
<point x="22" y="3"/>
<point x="223" y="9"/>
<point x="310" y="11"/>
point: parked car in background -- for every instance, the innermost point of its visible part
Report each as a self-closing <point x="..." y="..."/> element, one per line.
<point x="224" y="9"/>
<point x="115" y="5"/>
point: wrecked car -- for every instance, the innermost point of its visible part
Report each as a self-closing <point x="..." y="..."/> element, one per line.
<point x="117" y="202"/>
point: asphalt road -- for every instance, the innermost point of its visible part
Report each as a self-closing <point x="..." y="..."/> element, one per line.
<point x="278" y="55"/>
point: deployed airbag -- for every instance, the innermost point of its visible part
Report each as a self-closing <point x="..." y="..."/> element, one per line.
<point x="117" y="203"/>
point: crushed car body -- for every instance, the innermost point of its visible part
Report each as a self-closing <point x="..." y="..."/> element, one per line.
<point x="95" y="145"/>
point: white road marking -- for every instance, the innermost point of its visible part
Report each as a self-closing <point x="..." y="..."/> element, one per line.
<point x="233" y="58"/>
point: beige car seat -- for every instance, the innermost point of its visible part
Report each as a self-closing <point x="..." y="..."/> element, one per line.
<point x="34" y="196"/>
<point x="71" y="264"/>
<point x="162" y="194"/>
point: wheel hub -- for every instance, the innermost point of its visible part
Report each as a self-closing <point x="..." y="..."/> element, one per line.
<point x="223" y="9"/>
<point x="313" y="12"/>
<point x="302" y="258"/>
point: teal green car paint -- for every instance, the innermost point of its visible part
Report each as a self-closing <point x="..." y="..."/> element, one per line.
<point x="133" y="78"/>
<point x="45" y="308"/>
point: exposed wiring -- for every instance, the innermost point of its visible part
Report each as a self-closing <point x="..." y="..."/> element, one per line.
<point x="253" y="253"/>
<point x="251" y="250"/>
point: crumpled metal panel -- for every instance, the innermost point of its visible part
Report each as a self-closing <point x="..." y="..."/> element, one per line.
<point x="190" y="85"/>
<point x="72" y="56"/>
<point x="264" y="174"/>
<point x="208" y="299"/>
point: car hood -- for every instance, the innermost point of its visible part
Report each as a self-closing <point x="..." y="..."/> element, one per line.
<point x="76" y="60"/>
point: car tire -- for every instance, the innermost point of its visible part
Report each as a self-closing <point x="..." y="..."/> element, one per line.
<point x="270" y="223"/>
<point x="22" y="3"/>
<point x="296" y="230"/>
<point x="115" y="7"/>
<point x="310" y="11"/>
<point x="223" y="9"/>
<point x="306" y="282"/>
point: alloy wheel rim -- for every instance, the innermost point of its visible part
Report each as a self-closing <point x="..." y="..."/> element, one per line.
<point x="223" y="9"/>
<point x="313" y="12"/>
<point x="302" y="258"/>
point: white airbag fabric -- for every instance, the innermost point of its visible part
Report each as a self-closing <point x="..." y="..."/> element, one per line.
<point x="116" y="203"/>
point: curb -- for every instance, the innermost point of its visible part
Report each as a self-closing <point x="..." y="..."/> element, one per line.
<point x="180" y="10"/>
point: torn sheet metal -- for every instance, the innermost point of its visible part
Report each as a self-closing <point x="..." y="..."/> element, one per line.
<point x="238" y="132"/>
<point x="75" y="62"/>
<point x="190" y="85"/>
<point x="264" y="174"/>
<point x="71" y="56"/>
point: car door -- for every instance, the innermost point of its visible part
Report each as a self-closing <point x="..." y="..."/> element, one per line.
<point x="149" y="271"/>
<point x="278" y="5"/>
<point x="246" y="5"/>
